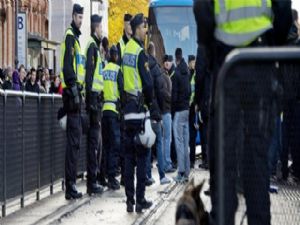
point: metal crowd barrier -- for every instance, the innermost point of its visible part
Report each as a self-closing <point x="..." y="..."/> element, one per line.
<point x="233" y="81"/>
<point x="32" y="145"/>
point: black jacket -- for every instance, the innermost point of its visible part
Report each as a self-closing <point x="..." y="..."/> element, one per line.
<point x="158" y="86"/>
<point x="166" y="94"/>
<point x="70" y="76"/>
<point x="7" y="85"/>
<point x="91" y="60"/>
<point x="32" y="88"/>
<point x="181" y="88"/>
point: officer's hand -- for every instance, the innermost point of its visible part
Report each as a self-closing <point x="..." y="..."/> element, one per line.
<point x="196" y="108"/>
<point x="200" y="117"/>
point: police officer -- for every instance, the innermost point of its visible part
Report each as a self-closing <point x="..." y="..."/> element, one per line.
<point x="72" y="76"/>
<point x="193" y="123"/>
<point x="138" y="90"/>
<point x="125" y="38"/>
<point x="127" y="33"/>
<point x="113" y="86"/>
<point x="93" y="100"/>
<point x="227" y="25"/>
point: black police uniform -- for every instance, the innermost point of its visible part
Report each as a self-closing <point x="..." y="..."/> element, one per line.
<point x="111" y="134"/>
<point x="202" y="97"/>
<point x="127" y="18"/>
<point x="257" y="125"/>
<point x="74" y="128"/>
<point x="93" y="106"/>
<point x="135" y="154"/>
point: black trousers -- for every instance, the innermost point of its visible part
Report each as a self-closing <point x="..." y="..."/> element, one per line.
<point x="122" y="150"/>
<point x="248" y="126"/>
<point x="193" y="134"/>
<point x="93" y="152"/>
<point x="74" y="133"/>
<point x="111" y="144"/>
<point x="291" y="137"/>
<point x="173" y="147"/>
<point x="135" y="156"/>
<point x="203" y="127"/>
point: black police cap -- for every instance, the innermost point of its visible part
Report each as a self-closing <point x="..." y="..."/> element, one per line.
<point x="137" y="20"/>
<point x="113" y="50"/>
<point x="168" y="58"/>
<point x="178" y="53"/>
<point x="77" y="9"/>
<point x="96" y="19"/>
<point x="127" y="17"/>
<point x="191" y="58"/>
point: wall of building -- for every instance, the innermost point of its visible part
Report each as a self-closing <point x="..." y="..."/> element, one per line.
<point x="37" y="22"/>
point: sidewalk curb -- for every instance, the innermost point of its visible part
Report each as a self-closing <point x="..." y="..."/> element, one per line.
<point x="63" y="211"/>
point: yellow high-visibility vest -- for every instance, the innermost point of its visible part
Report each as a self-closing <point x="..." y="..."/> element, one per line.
<point x="122" y="46"/>
<point x="97" y="85"/>
<point x="132" y="79"/>
<point x="111" y="90"/>
<point x="240" y="22"/>
<point x="78" y="61"/>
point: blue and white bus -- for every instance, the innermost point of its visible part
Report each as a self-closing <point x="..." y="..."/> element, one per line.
<point x="171" y="25"/>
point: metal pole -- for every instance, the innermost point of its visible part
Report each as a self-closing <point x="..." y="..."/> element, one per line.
<point x="16" y="33"/>
<point x="91" y="7"/>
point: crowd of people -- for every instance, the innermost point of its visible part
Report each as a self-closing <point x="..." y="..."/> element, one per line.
<point x="124" y="86"/>
<point x="124" y="83"/>
<point x="32" y="80"/>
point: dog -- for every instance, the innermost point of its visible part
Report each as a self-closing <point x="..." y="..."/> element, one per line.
<point x="190" y="208"/>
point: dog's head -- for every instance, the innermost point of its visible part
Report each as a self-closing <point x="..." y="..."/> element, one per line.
<point x="190" y="208"/>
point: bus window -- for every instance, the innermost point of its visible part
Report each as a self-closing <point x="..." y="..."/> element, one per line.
<point x="172" y="27"/>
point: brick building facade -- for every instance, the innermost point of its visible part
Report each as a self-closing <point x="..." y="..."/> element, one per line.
<point x="37" y="25"/>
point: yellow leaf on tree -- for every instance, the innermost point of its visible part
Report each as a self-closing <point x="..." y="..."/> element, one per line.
<point x="116" y="11"/>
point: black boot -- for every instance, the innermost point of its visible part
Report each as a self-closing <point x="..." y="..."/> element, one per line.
<point x="122" y="182"/>
<point x="143" y="204"/>
<point x="71" y="192"/>
<point x="113" y="184"/>
<point x="94" y="189"/>
<point x="101" y="180"/>
<point x="129" y="205"/>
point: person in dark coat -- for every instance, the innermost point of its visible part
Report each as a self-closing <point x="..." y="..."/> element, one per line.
<point x="158" y="80"/>
<point x="32" y="85"/>
<point x="8" y="83"/>
<point x="22" y="77"/>
<point x="166" y="96"/>
<point x="16" y="81"/>
<point x="181" y="91"/>
<point x="170" y="70"/>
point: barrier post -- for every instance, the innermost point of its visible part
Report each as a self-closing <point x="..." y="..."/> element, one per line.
<point x="23" y="151"/>
<point x="4" y="158"/>
<point x="51" y="147"/>
<point x="39" y="151"/>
